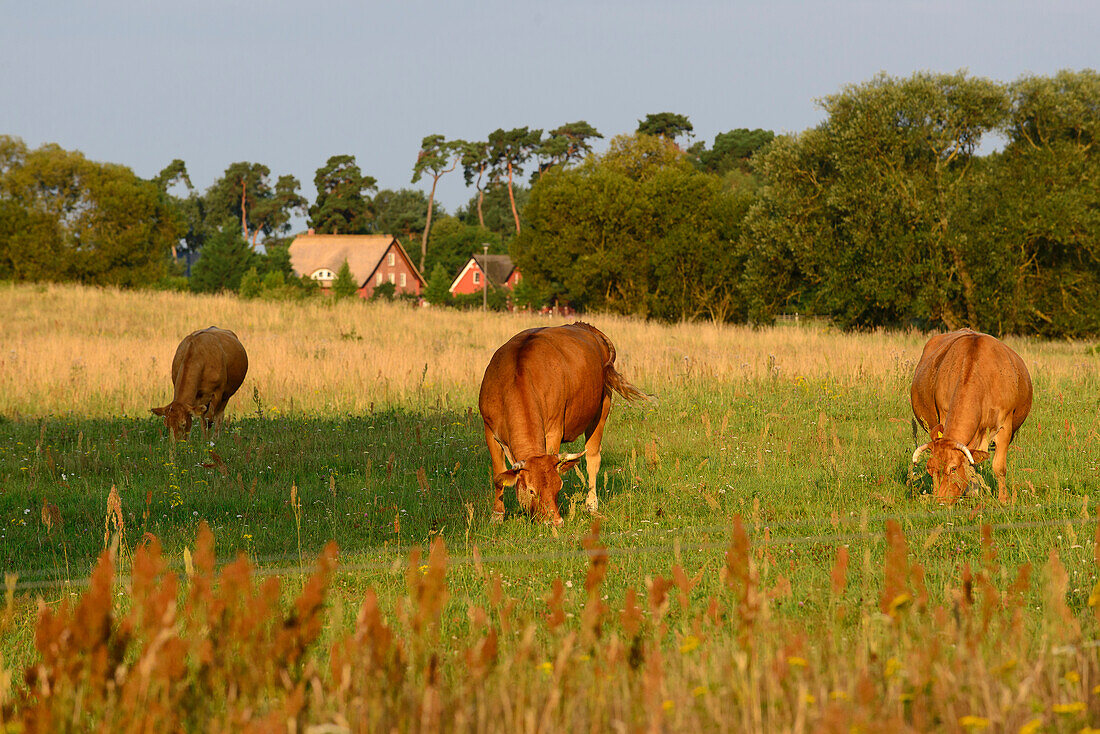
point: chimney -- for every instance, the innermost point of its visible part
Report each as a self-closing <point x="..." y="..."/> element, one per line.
<point x="310" y="231"/>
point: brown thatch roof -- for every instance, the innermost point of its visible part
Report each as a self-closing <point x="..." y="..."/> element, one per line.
<point x="363" y="252"/>
<point x="497" y="268"/>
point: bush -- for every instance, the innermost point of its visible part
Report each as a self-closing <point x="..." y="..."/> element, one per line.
<point x="384" y="292"/>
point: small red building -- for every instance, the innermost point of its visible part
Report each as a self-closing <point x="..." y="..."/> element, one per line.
<point x="374" y="259"/>
<point x="499" y="269"/>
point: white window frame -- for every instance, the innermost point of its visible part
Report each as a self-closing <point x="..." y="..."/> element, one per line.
<point x="378" y="279"/>
<point x="391" y="277"/>
<point x="391" y="260"/>
<point x="477" y="277"/>
<point x="402" y="279"/>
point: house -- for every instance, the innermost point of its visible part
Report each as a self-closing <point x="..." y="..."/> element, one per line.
<point x="374" y="259"/>
<point x="471" y="279"/>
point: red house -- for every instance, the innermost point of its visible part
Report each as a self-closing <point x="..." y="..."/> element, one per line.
<point x="374" y="259"/>
<point x="499" y="269"/>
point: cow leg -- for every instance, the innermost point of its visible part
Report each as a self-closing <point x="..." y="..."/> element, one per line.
<point x="1000" y="460"/>
<point x="592" y="440"/>
<point x="496" y="456"/>
<point x="212" y="419"/>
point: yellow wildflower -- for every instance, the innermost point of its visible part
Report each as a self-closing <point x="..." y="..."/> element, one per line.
<point x="690" y="643"/>
<point x="797" y="662"/>
<point x="698" y="691"/>
<point x="1031" y="727"/>
<point x="1069" y="708"/>
<point x="973" y="722"/>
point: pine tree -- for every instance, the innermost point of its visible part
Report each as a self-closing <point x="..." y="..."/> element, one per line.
<point x="344" y="286"/>
<point x="437" y="291"/>
<point x="226" y="257"/>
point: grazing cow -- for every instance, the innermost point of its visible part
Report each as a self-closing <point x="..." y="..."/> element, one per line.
<point x="208" y="368"/>
<point x="968" y="389"/>
<point x="543" y="387"/>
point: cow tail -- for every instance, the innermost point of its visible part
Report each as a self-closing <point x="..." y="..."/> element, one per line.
<point x="612" y="380"/>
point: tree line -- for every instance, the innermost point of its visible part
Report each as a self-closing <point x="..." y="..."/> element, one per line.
<point x="936" y="200"/>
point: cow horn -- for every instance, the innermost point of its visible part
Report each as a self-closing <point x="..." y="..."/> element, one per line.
<point x="519" y="465"/>
<point x="562" y="458"/>
<point x="966" y="451"/>
<point x="918" y="452"/>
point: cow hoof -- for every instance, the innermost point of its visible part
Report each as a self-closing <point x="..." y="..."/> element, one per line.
<point x="592" y="506"/>
<point x="496" y="518"/>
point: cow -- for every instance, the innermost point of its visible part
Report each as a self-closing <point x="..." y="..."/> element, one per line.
<point x="207" y="370"/>
<point x="542" y="387"/>
<point x="968" y="389"/>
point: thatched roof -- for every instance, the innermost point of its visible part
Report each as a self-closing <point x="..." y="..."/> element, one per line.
<point x="363" y="252"/>
<point x="497" y="268"/>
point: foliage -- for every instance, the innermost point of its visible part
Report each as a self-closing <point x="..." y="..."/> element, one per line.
<point x="437" y="157"/>
<point x="244" y="195"/>
<point x="527" y="295"/>
<point x="225" y="260"/>
<point x="566" y="144"/>
<point x="454" y="241"/>
<point x="496" y="298"/>
<point x="509" y="151"/>
<point x="402" y="213"/>
<point x="252" y="285"/>
<point x="732" y="150"/>
<point x="384" y="292"/>
<point x="343" y="205"/>
<point x="497" y="211"/>
<point x="667" y="125"/>
<point x="636" y="230"/>
<point x="63" y="217"/>
<point x="437" y="291"/>
<point x="345" y="286"/>
<point x="865" y="217"/>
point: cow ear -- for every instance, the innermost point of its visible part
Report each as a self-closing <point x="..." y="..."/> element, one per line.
<point x="506" y="478"/>
<point x="937" y="432"/>
<point x="159" y="411"/>
<point x="198" y="410"/>
<point x="979" y="456"/>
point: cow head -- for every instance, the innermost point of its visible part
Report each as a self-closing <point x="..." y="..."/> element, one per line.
<point x="950" y="463"/>
<point x="177" y="417"/>
<point x="537" y="481"/>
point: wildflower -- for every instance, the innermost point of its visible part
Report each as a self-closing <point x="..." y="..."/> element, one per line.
<point x="1072" y="676"/>
<point x="690" y="643"/>
<point x="1096" y="690"/>
<point x="898" y="602"/>
<point x="546" y="667"/>
<point x="699" y="691"/>
<point x="838" y="695"/>
<point x="667" y="704"/>
<point x="893" y="665"/>
<point x="973" y="722"/>
<point x="1069" y="708"/>
<point x="797" y="662"/>
<point x="808" y="699"/>
<point x="1031" y="727"/>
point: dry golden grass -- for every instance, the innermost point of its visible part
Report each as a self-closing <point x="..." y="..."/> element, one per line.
<point x="102" y="352"/>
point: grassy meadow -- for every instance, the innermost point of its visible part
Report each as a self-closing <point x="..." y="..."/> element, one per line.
<point x="849" y="596"/>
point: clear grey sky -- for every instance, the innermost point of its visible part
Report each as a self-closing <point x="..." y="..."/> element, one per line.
<point x="288" y="84"/>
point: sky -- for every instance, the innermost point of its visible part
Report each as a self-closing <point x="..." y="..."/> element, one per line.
<point x="288" y="84"/>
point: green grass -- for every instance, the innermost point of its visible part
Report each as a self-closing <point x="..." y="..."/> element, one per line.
<point x="813" y="465"/>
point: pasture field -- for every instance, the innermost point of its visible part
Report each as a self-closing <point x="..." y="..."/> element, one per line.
<point x="788" y="572"/>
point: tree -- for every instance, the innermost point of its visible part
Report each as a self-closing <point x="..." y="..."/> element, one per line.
<point x="73" y="219"/>
<point x="437" y="291"/>
<point x="437" y="156"/>
<point x="667" y="125"/>
<point x="567" y="143"/>
<point x="497" y="210"/>
<point x="342" y="205"/>
<point x="453" y="241"/>
<point x="244" y="193"/>
<point x="225" y="260"/>
<point x="636" y="230"/>
<point x="252" y="285"/>
<point x="866" y="215"/>
<point x="732" y="149"/>
<point x="476" y="159"/>
<point x="344" y="286"/>
<point x="509" y="151"/>
<point x="402" y="213"/>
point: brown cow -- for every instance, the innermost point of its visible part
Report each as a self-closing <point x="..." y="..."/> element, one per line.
<point x="968" y="389"/>
<point x="208" y="368"/>
<point x="543" y="387"/>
